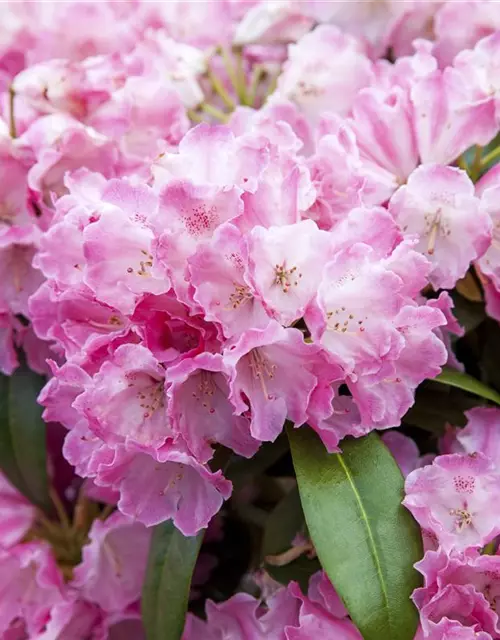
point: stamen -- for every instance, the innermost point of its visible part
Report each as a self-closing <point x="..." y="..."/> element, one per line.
<point x="432" y="238"/>
<point x="261" y="368"/>
<point x="239" y="297"/>
<point x="205" y="390"/>
<point x="144" y="266"/>
<point x="114" y="321"/>
<point x="285" y="278"/>
<point x="463" y="520"/>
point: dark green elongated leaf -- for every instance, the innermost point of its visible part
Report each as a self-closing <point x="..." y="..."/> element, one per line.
<point x="366" y="541"/>
<point x="165" y="594"/>
<point x="467" y="383"/>
<point x="22" y="435"/>
<point x="282" y="525"/>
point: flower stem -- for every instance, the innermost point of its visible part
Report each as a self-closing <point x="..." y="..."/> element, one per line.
<point x="12" y="120"/>
<point x="213" y="111"/>
<point x="61" y="511"/>
<point x="195" y="117"/>
<point x="475" y="168"/>
<point x="258" y="74"/>
<point x="219" y="89"/>
<point x="230" y="70"/>
<point x="241" y="89"/>
<point x="107" y="511"/>
<point x="492" y="155"/>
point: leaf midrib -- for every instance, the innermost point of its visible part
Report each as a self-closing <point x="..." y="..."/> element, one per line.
<point x="371" y="539"/>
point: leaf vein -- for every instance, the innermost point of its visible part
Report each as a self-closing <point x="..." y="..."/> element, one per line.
<point x="371" y="539"/>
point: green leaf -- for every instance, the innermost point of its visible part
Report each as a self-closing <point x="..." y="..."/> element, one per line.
<point x="282" y="525"/>
<point x="467" y="383"/>
<point x="165" y="595"/>
<point x="366" y="541"/>
<point x="22" y="435"/>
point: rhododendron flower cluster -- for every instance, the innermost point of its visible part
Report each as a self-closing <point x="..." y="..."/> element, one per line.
<point x="225" y="217"/>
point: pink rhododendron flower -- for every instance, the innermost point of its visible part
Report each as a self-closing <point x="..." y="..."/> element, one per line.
<point x="113" y="564"/>
<point x="463" y="487"/>
<point x="271" y="22"/>
<point x="125" y="402"/>
<point x="274" y="370"/>
<point x="220" y="217"/>
<point x="281" y="268"/>
<point x="459" y="27"/>
<point x="479" y="436"/>
<point x="324" y="71"/>
<point x="200" y="410"/>
<point x="220" y="275"/>
<point x="17" y="514"/>
<point x="439" y="206"/>
<point x="405" y="452"/>
<point x="168" y="483"/>
<point x="30" y="584"/>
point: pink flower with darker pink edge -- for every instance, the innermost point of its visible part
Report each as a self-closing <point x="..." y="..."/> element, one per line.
<point x="30" y="585"/>
<point x="460" y="26"/>
<point x="156" y="485"/>
<point x="461" y="511"/>
<point x="284" y="193"/>
<point x="60" y="144"/>
<point x="120" y="266"/>
<point x="439" y="206"/>
<point x="273" y="374"/>
<point x="356" y="297"/>
<point x="125" y="401"/>
<point x="322" y="592"/>
<point x="73" y="618"/>
<point x="448" y="117"/>
<point x="214" y="156"/>
<point x="221" y="279"/>
<point x="382" y="121"/>
<point x="404" y="450"/>
<point x="457" y="612"/>
<point x="274" y="22"/>
<point x="234" y="617"/>
<point x="278" y="120"/>
<point x="76" y="88"/>
<point x="144" y="117"/>
<point x="481" y="433"/>
<point x="324" y="72"/>
<point x="315" y="621"/>
<point x="17" y="514"/>
<point x="386" y="395"/>
<point x="482" y="572"/>
<point x="19" y="278"/>
<point x="168" y="330"/>
<point x="188" y="216"/>
<point x="72" y="317"/>
<point x="283" y="267"/>
<point x="179" y="64"/>
<point x="200" y="410"/>
<point x="113" y="563"/>
<point x="336" y="175"/>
